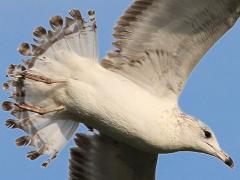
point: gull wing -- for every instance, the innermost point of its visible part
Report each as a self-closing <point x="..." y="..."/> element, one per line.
<point x="98" y="157"/>
<point x="159" y="42"/>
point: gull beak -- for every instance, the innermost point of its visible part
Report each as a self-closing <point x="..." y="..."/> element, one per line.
<point x="225" y="158"/>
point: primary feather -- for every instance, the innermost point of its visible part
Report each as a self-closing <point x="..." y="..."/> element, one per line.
<point x="131" y="97"/>
<point x="98" y="157"/>
<point x="159" y="42"/>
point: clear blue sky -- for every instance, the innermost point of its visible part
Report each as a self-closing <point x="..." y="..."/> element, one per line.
<point x="212" y="93"/>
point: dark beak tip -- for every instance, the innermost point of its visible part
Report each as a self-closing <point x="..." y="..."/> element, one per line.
<point x="229" y="162"/>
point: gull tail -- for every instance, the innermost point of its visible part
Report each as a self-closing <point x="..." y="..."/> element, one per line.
<point x="37" y="83"/>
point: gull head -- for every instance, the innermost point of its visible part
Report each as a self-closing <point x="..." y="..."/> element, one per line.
<point x="198" y="137"/>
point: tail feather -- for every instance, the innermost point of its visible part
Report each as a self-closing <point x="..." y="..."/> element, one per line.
<point x="37" y="82"/>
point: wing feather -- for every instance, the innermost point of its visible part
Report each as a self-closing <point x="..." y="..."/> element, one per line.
<point x="98" y="157"/>
<point x="159" y="42"/>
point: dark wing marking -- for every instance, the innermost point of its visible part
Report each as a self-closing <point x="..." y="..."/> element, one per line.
<point x="98" y="157"/>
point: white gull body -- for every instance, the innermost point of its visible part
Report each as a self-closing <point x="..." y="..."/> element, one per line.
<point x="130" y="98"/>
<point x="132" y="113"/>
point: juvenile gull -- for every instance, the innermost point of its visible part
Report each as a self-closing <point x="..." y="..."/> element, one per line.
<point x="130" y="97"/>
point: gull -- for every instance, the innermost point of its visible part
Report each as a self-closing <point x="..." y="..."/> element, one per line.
<point x="129" y="99"/>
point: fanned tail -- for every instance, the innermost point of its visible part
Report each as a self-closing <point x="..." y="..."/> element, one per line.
<point x="37" y="83"/>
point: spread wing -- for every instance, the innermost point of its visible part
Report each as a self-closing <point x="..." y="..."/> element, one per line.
<point x="98" y="157"/>
<point x="159" y="42"/>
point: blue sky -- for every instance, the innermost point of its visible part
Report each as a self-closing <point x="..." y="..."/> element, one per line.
<point x="211" y="94"/>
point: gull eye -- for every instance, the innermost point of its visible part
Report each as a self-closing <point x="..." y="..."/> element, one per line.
<point x="207" y="134"/>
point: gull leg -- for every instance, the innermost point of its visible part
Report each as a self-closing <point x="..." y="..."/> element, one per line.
<point x="40" y="78"/>
<point x="39" y="110"/>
